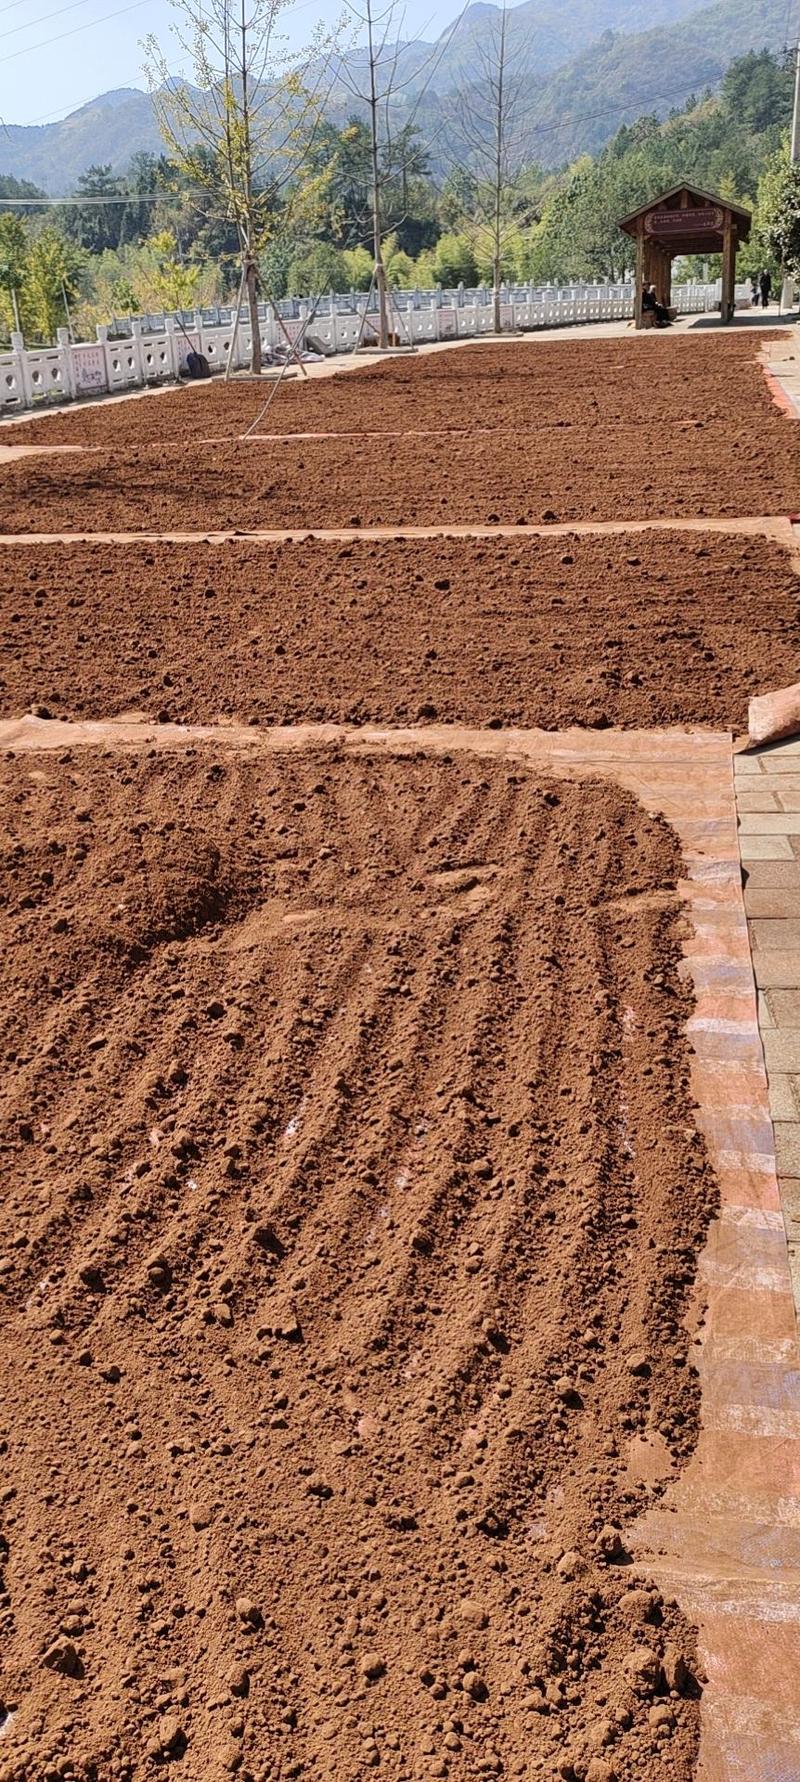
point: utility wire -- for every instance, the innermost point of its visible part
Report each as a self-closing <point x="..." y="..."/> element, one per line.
<point x="106" y="198"/>
<point x="30" y="24"/>
<point x="31" y="47"/>
<point x="61" y="113"/>
<point x="11" y="6"/>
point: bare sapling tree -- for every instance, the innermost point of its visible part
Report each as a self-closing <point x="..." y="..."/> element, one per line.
<point x="242" y="127"/>
<point x="489" y="117"/>
<point x="380" y="269"/>
<point x="379" y="80"/>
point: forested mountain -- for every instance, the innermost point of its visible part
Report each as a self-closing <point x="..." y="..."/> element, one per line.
<point x="589" y="67"/>
<point x="654" y="71"/>
<point x="109" y="130"/>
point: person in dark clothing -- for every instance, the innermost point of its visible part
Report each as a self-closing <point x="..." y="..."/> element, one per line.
<point x="765" y="287"/>
<point x="650" y="301"/>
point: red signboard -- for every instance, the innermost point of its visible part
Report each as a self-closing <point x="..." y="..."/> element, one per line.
<point x="684" y="222"/>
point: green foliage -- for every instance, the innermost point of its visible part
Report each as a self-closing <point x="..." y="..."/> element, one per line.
<point x="340" y="159"/>
<point x="42" y="271"/>
<point x="317" y="268"/>
<point x="171" y="283"/>
<point x="358" y="266"/>
<point x="579" y="236"/>
<point x="722" y="145"/>
<point x="341" y="162"/>
<point x="13" y="252"/>
<point x="779" y="213"/>
<point x="51" y="281"/>
<point x="275" y="261"/>
<point x="513" y="254"/>
<point x="426" y="270"/>
<point x="454" y="261"/>
<point x="148" y="279"/>
<point x="19" y="188"/>
<point x="401" y="271"/>
<point x="96" y="226"/>
<point x="757" y="90"/>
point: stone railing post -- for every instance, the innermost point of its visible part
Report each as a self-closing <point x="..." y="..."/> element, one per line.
<point x="65" y="362"/>
<point x="21" y="371"/>
<point x="173" y="347"/>
<point x="102" y="341"/>
<point x="136" y="349"/>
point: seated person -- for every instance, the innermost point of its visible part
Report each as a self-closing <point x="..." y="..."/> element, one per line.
<point x="649" y="301"/>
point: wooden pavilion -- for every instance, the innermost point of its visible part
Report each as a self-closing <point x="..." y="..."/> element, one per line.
<point x="685" y="221"/>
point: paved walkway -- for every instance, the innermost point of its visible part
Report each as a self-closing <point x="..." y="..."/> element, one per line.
<point x="775" y="526"/>
<point x="768" y="803"/>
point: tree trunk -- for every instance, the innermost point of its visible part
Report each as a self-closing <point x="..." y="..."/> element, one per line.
<point x="380" y="270"/>
<point x="496" y="271"/>
<point x="255" y="326"/>
<point x="383" y="308"/>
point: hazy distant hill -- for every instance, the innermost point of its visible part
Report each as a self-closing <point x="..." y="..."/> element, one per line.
<point x="591" y="67"/>
<point x="110" y="128"/>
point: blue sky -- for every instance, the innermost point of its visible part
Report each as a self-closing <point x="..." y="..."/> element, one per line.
<point x="56" y="54"/>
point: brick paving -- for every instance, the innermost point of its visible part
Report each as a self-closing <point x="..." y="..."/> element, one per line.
<point x="767" y="785"/>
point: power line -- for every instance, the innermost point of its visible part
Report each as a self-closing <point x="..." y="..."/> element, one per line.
<point x="11" y="6"/>
<point x="31" y="24"/>
<point x="97" y="200"/>
<point x="61" y="113"/>
<point x="29" y="48"/>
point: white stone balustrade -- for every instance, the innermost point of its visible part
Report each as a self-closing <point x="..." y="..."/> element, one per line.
<point x="154" y="351"/>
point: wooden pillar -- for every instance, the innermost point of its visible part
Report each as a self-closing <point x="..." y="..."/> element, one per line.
<point x="728" y="270"/>
<point x="637" y="312"/>
<point x="649" y="251"/>
<point x="667" y="277"/>
<point x="654" y="268"/>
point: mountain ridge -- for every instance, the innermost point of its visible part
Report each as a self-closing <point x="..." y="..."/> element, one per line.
<point x="586" y="74"/>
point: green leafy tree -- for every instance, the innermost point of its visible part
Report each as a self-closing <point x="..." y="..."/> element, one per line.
<point x="13" y="265"/>
<point x="340" y="160"/>
<point x="52" y="281"/>
<point x="320" y="267"/>
<point x="425" y="270"/>
<point x="408" y="194"/>
<point x="154" y="199"/>
<point x="400" y="270"/>
<point x="275" y="262"/>
<point x="358" y="267"/>
<point x="454" y="261"/>
<point x="457" y="198"/>
<point x="174" y="284"/>
<point x="778" y="213"/>
<point x="19" y="189"/>
<point x="99" y="225"/>
<point x="757" y="90"/>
